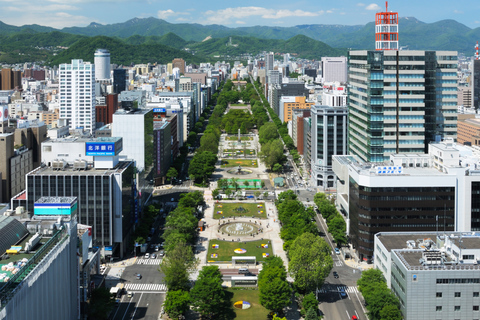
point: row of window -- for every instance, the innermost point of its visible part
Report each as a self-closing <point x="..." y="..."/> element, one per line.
<point x="456" y="308"/>
<point x="458" y="280"/>
<point x="458" y="294"/>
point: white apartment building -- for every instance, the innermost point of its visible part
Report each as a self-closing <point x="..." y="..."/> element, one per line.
<point x="77" y="95"/>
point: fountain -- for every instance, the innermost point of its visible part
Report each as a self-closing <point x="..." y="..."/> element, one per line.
<point x="239" y="228"/>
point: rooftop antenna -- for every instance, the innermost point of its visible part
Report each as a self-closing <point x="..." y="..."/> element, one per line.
<point x="386" y="30"/>
<point x="476" y="51"/>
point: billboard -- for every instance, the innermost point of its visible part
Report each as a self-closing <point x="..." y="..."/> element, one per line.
<point x="3" y="113"/>
<point x="156" y="110"/>
<point x="104" y="148"/>
<point x="55" y="209"/>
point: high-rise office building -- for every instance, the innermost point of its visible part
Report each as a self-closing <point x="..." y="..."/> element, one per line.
<point x="334" y="69"/>
<point x="269" y="59"/>
<point x="77" y="95"/>
<point x="102" y="64"/>
<point x="400" y="101"/>
<point x="476" y="84"/>
<point x="180" y="64"/>
<point x="328" y="138"/>
<point x="119" y="80"/>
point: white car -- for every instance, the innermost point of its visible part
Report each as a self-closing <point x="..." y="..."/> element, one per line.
<point x="147" y="255"/>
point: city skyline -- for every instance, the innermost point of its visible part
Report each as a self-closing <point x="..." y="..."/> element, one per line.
<point x="80" y="13"/>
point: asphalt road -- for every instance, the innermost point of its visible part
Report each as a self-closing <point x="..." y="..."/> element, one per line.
<point x="332" y="305"/>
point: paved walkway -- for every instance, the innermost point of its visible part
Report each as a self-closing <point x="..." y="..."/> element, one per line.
<point x="271" y="233"/>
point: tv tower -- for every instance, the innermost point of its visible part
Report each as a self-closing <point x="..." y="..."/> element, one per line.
<point x="476" y="51"/>
<point x="386" y="30"/>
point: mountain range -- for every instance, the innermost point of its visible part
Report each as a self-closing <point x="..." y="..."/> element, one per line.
<point x="308" y="41"/>
<point x="440" y="35"/>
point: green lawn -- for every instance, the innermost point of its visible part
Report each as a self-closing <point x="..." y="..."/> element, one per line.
<point x="240" y="162"/>
<point x="228" y="210"/>
<point x="252" y="184"/>
<point x="238" y="104"/>
<point x="235" y="138"/>
<point x="225" y="249"/>
<point x="256" y="311"/>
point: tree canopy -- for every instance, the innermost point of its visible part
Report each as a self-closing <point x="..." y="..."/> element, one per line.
<point x="207" y="295"/>
<point x="310" y="262"/>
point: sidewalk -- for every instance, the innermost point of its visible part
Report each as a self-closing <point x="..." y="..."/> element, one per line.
<point x="124" y="263"/>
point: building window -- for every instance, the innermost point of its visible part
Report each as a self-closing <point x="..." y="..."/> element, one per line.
<point x="476" y="294"/>
<point x="439" y="308"/>
<point x="458" y="294"/>
<point x="475" y="308"/>
<point x="439" y="294"/>
<point x="457" y="308"/>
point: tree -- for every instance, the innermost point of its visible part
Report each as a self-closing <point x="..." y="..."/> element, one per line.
<point x="101" y="304"/>
<point x="311" y="314"/>
<point x="202" y="165"/>
<point x="246" y="183"/>
<point x="275" y="294"/>
<point x="265" y="194"/>
<point x="277" y="167"/>
<point x="272" y="153"/>
<point x="228" y="192"/>
<point x="234" y="183"/>
<point x="172" y="173"/>
<point x="275" y="291"/>
<point x="177" y="265"/>
<point x="310" y="302"/>
<point x="310" y="262"/>
<point x="215" y="193"/>
<point x="222" y="183"/>
<point x="256" y="194"/>
<point x="390" y="312"/>
<point x="262" y="184"/>
<point x="267" y="133"/>
<point x="176" y="303"/>
<point x="208" y="295"/>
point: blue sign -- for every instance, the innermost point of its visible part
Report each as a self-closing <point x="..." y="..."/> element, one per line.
<point x="100" y="148"/>
<point x="159" y="110"/>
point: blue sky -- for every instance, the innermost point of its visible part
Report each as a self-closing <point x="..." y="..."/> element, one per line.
<point x="67" y="13"/>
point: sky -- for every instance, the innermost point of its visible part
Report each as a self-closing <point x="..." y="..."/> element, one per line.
<point x="68" y="13"/>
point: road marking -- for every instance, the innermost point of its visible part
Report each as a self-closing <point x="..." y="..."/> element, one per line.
<point x="161" y="287"/>
<point x="136" y="307"/>
<point x="334" y="288"/>
<point x="149" y="261"/>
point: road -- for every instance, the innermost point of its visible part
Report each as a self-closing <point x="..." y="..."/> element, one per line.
<point x="332" y="305"/>
<point x="149" y="291"/>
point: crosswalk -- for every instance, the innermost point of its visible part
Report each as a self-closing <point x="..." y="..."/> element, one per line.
<point x="149" y="261"/>
<point x="333" y="288"/>
<point x="146" y="287"/>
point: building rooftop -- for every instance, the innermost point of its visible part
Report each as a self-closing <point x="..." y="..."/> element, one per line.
<point x="69" y="170"/>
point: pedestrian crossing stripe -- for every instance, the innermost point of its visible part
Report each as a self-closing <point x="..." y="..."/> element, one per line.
<point x="149" y="261"/>
<point x="146" y="287"/>
<point x="333" y="288"/>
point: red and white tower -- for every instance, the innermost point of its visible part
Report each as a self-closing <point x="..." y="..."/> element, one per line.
<point x="386" y="30"/>
<point x="476" y="51"/>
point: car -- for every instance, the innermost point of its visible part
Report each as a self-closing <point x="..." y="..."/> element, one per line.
<point x="161" y="253"/>
<point x="129" y="294"/>
<point x="156" y="248"/>
<point x="335" y="274"/>
<point x="354" y="317"/>
<point x="153" y="256"/>
<point x="147" y="255"/>
<point x="138" y="276"/>
<point x="337" y="251"/>
<point x="342" y="292"/>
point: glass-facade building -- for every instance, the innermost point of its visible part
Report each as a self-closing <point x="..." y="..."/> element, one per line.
<point x="400" y="101"/>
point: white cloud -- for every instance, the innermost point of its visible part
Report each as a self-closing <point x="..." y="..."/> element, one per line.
<point x="373" y="6"/>
<point x="226" y="16"/>
<point x="458" y="11"/>
<point x="239" y="22"/>
<point x="164" y="14"/>
<point x="361" y="4"/>
<point x="477" y="21"/>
